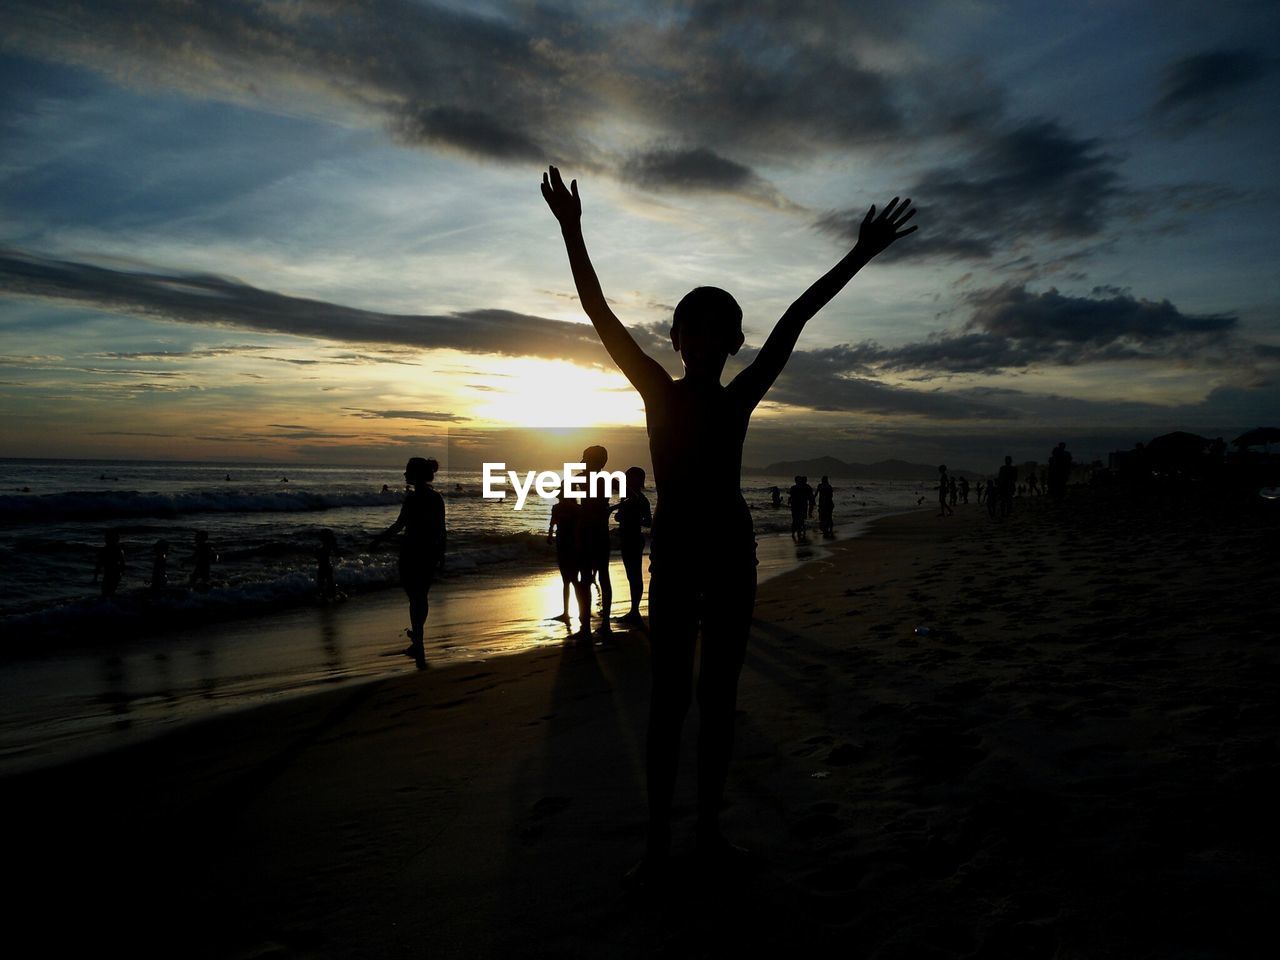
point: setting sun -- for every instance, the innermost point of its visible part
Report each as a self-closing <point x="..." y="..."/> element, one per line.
<point x="543" y="393"/>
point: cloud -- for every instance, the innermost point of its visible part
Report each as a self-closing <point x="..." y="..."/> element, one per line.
<point x="1012" y="311"/>
<point x="698" y="169"/>
<point x="1030" y="180"/>
<point x="516" y="82"/>
<point x="222" y="301"/>
<point x="1010" y="327"/>
<point x="405" y="415"/>
<point x="197" y="354"/>
<point x="827" y="380"/>
<point x="1198" y="87"/>
<point x="820" y="379"/>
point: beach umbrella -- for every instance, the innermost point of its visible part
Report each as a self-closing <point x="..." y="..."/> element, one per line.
<point x="1260" y="435"/>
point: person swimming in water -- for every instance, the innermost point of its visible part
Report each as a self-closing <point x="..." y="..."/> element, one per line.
<point x="702" y="549"/>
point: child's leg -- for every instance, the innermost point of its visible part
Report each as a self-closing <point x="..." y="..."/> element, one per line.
<point x="631" y="561"/>
<point x="606" y="588"/>
<point x="673" y="628"/>
<point x="582" y="587"/>
<point x="730" y="600"/>
<point x="418" y="608"/>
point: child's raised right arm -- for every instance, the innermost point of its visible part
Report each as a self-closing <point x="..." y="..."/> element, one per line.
<point x="638" y="367"/>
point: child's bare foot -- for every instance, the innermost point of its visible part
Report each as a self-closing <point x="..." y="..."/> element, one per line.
<point x="563" y="618"/>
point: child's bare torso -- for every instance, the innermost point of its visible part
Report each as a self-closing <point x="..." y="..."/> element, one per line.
<point x="696" y="433"/>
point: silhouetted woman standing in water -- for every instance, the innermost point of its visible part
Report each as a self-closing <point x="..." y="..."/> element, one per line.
<point x="422" y="546"/>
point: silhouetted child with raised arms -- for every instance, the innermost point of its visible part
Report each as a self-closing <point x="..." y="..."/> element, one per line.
<point x="633" y="515"/>
<point x="563" y="532"/>
<point x="110" y="563"/>
<point x="702" y="552"/>
<point x="592" y="537"/>
<point x="202" y="559"/>
<point x="421" y="547"/>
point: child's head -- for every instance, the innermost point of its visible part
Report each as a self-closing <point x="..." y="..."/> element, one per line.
<point x="420" y="470"/>
<point x="595" y="458"/>
<point x="113" y="537"/>
<point x="706" y="328"/>
<point x="942" y="468"/>
<point x="201" y="536"/>
<point x="327" y="538"/>
<point x="635" y="480"/>
<point x="161" y="547"/>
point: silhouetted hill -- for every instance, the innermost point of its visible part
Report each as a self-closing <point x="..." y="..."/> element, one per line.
<point x="831" y="467"/>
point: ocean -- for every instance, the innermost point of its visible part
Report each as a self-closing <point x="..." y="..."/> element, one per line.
<point x="265" y="521"/>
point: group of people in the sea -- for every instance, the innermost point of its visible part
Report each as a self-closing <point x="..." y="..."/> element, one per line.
<point x="110" y="564"/>
<point x="802" y="499"/>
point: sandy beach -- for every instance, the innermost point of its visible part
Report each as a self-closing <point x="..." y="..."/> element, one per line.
<point x="1069" y="760"/>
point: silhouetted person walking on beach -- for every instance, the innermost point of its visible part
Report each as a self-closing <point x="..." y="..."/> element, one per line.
<point x="702" y="554"/>
<point x="421" y="547"/>
<point x="203" y="558"/>
<point x="563" y="532"/>
<point x="110" y="563"/>
<point x="798" y="501"/>
<point x="826" y="507"/>
<point x="593" y="549"/>
<point x="1006" y="484"/>
<point x="944" y="490"/>
<point x="634" y="514"/>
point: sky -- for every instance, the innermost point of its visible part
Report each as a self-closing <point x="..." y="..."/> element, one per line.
<point x="312" y="229"/>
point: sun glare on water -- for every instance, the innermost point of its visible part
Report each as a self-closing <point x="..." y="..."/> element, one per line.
<point x="542" y="393"/>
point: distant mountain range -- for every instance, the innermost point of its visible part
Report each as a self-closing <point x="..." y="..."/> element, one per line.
<point x="831" y="467"/>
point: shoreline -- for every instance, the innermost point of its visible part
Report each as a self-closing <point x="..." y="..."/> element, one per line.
<point x="1072" y="763"/>
<point x="81" y="700"/>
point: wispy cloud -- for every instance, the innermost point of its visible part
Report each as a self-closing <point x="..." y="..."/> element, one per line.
<point x="1196" y="89"/>
<point x="204" y="299"/>
<point x="1030" y="180"/>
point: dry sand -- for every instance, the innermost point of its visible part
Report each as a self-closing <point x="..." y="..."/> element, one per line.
<point x="1074" y="762"/>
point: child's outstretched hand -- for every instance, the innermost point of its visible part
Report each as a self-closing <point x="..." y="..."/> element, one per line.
<point x="563" y="201"/>
<point x="877" y="233"/>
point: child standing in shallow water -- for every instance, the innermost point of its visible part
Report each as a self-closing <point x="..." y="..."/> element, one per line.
<point x="634" y="514"/>
<point x="110" y="564"/>
<point x="563" y="532"/>
<point x="702" y="550"/>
